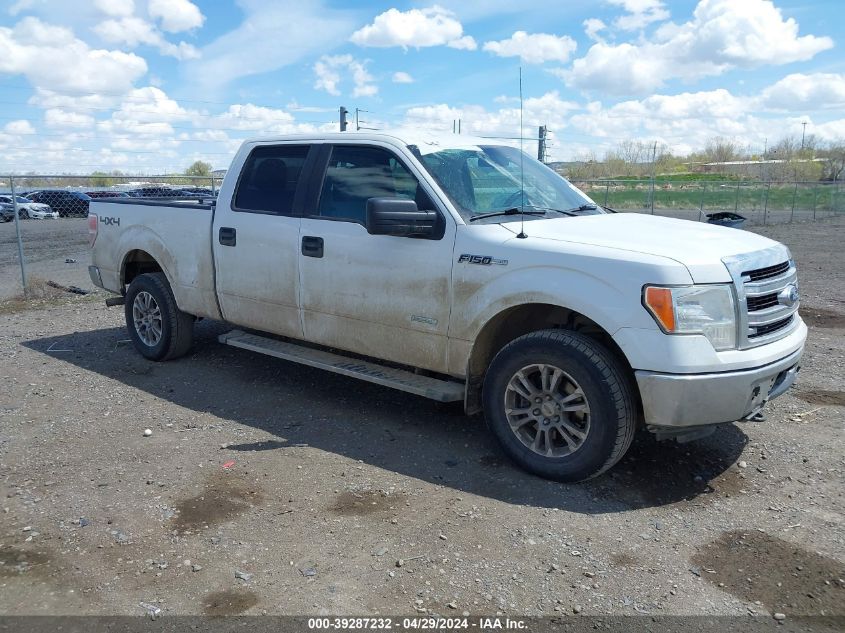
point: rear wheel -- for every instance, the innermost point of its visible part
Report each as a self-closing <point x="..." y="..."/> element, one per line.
<point x="158" y="329"/>
<point x="560" y="405"/>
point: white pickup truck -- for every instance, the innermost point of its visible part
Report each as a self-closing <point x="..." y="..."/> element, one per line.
<point x="459" y="269"/>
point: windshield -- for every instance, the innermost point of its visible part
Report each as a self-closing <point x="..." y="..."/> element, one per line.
<point x="488" y="178"/>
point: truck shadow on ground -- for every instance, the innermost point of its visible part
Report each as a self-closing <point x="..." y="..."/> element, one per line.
<point x="300" y="406"/>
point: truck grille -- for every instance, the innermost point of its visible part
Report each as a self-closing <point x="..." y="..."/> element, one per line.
<point x="761" y="303"/>
<point x="768" y="272"/>
<point x="765" y="293"/>
<point x="762" y="330"/>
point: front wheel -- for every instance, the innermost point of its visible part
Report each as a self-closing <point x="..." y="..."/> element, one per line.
<point x="560" y="405"/>
<point x="158" y="329"/>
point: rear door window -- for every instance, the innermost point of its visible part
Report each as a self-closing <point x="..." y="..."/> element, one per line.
<point x="269" y="179"/>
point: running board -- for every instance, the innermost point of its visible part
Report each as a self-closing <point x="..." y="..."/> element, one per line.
<point x="440" y="390"/>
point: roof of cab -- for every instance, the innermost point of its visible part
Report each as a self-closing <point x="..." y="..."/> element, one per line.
<point x="402" y="136"/>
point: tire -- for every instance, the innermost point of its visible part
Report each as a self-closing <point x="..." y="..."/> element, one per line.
<point x="23" y="214"/>
<point x="580" y="436"/>
<point x="151" y="300"/>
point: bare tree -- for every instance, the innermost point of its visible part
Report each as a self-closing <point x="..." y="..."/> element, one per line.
<point x="721" y="150"/>
<point x="834" y="160"/>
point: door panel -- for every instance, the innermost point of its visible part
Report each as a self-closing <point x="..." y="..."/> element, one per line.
<point x="256" y="242"/>
<point x="257" y="278"/>
<point x="378" y="295"/>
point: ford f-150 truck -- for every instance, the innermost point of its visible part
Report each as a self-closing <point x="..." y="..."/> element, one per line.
<point x="459" y="269"/>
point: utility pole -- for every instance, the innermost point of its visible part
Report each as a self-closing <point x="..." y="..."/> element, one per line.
<point x="803" y="131"/>
<point x="343" y="113"/>
<point x="541" y="144"/>
<point x="653" y="159"/>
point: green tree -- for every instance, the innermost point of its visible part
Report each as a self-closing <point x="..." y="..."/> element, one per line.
<point x="100" y="179"/>
<point x="199" y="168"/>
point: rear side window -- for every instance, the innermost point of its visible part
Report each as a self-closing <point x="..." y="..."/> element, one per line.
<point x="268" y="181"/>
<point x="355" y="174"/>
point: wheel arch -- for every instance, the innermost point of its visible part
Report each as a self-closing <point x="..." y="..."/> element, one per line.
<point x="515" y="321"/>
<point x="138" y="262"/>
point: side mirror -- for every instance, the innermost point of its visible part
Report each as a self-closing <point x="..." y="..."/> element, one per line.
<point x="400" y="217"/>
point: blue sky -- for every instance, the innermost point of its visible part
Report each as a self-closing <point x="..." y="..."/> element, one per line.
<point x="148" y="86"/>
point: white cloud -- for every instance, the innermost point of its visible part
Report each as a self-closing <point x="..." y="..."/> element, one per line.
<point x="330" y="70"/>
<point x="44" y="98"/>
<point x="465" y="43"/>
<point x="146" y="112"/>
<point x="176" y="15"/>
<point x="641" y="13"/>
<point x="58" y="118"/>
<point x="723" y="34"/>
<point x="20" y="6"/>
<point x="133" y="31"/>
<point x="52" y="57"/>
<point x="834" y="130"/>
<point x="271" y="36"/>
<point x="475" y="119"/>
<point x="592" y="27"/>
<point x="534" y="48"/>
<point x="416" y="28"/>
<point x="402" y="77"/>
<point x="817" y="91"/>
<point x="20" y="127"/>
<point x="116" y="8"/>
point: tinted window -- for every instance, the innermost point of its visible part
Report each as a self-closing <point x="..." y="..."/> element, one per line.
<point x="269" y="178"/>
<point x="356" y="174"/>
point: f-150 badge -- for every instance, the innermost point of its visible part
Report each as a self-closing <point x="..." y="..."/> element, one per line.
<point x="483" y="260"/>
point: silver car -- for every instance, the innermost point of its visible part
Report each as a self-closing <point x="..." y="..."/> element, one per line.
<point x="29" y="209"/>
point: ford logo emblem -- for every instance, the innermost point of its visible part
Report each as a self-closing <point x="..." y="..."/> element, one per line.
<point x="789" y="295"/>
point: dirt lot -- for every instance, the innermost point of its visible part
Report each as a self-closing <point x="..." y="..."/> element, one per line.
<point x="270" y="487"/>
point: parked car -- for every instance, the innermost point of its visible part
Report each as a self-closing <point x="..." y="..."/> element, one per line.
<point x="204" y="192"/>
<point x="154" y="192"/>
<point x="484" y="275"/>
<point x="7" y="212"/>
<point x="107" y="194"/>
<point x="66" y="203"/>
<point x="29" y="209"/>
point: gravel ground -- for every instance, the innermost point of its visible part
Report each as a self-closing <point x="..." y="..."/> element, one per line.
<point x="47" y="244"/>
<point x="271" y="487"/>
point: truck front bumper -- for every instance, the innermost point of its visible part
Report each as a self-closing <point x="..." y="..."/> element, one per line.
<point x="689" y="400"/>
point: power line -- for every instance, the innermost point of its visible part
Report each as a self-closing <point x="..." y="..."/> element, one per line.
<point x="125" y="96"/>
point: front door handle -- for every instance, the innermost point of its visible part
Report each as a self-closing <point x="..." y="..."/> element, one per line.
<point x="312" y="246"/>
<point x="227" y="236"/>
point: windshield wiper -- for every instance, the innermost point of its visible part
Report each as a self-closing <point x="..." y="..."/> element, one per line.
<point x="510" y="211"/>
<point x="584" y="207"/>
<point x="535" y="210"/>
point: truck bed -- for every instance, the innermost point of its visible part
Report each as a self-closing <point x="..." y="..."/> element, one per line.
<point x="175" y="233"/>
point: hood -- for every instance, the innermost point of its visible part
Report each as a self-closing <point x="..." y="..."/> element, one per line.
<point x="697" y="245"/>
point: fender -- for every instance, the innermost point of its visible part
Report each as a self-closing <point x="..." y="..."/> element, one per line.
<point x="609" y="306"/>
<point x="189" y="277"/>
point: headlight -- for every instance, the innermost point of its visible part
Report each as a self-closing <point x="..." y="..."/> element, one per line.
<point x="707" y="310"/>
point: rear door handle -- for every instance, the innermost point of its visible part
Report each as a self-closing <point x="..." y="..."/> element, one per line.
<point x="227" y="236"/>
<point x="312" y="246"/>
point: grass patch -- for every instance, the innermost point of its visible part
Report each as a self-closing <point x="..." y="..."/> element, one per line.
<point x="715" y="195"/>
<point x="40" y="294"/>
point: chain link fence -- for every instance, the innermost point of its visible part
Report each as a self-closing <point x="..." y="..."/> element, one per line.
<point x="43" y="230"/>
<point x="760" y="203"/>
<point x="44" y="238"/>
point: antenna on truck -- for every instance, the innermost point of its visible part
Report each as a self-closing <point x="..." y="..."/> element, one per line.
<point x="522" y="234"/>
